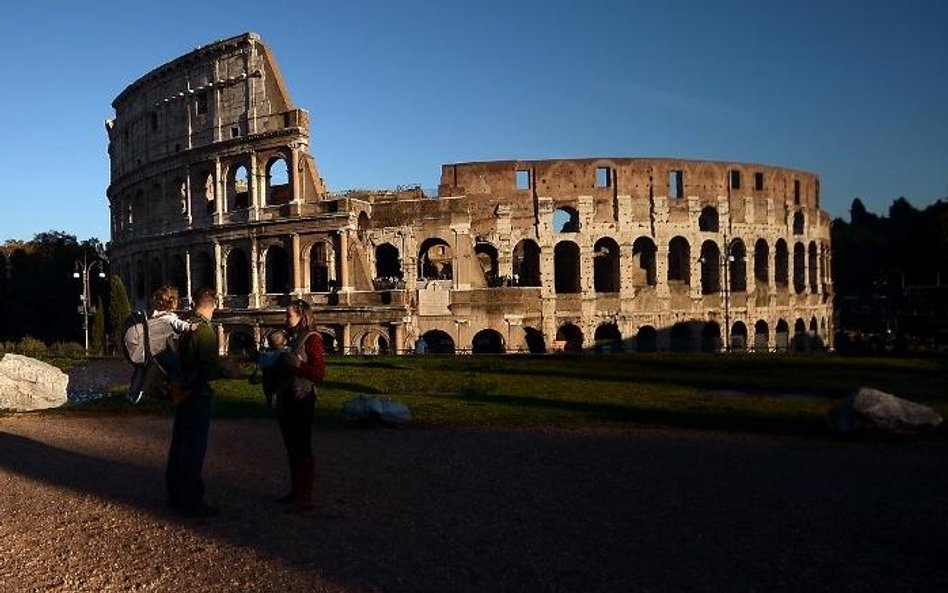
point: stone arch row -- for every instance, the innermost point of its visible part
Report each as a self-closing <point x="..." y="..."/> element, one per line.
<point x="567" y="220"/>
<point x="195" y="195"/>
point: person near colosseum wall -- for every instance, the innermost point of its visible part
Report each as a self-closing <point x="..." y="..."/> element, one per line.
<point x="296" y="402"/>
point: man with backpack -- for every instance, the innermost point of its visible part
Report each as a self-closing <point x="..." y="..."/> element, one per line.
<point x="200" y="364"/>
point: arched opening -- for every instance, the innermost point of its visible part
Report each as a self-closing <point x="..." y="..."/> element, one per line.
<point x="608" y="338"/>
<point x="238" y="189"/>
<point x="210" y="204"/>
<point x="277" y="271"/>
<point x="155" y="275"/>
<point x="486" y="255"/>
<point x="812" y="268"/>
<point x="330" y="343"/>
<point x="643" y="262"/>
<point x="710" y="268"/>
<point x="761" y="336"/>
<point x="278" y="182"/>
<point x="797" y="223"/>
<point x="320" y="267"/>
<point x="238" y="273"/>
<point x="364" y="225"/>
<point x="178" y="276"/>
<point x="799" y="261"/>
<point x="526" y="264"/>
<point x="781" y="263"/>
<point x="679" y="261"/>
<point x="439" y="342"/>
<point x="801" y="342"/>
<point x="374" y="342"/>
<point x="782" y="336"/>
<point x="202" y="271"/>
<point x="711" y="337"/>
<point x="240" y="341"/>
<point x="388" y="266"/>
<point x="139" y="279"/>
<point x="738" y="338"/>
<point x="566" y="268"/>
<point x="737" y="266"/>
<point x="646" y="340"/>
<point x="681" y="338"/>
<point x="536" y="343"/>
<point x="761" y="262"/>
<point x="565" y="220"/>
<point x="571" y="337"/>
<point x="606" y="265"/>
<point x="708" y="220"/>
<point x="435" y="260"/>
<point x="487" y="341"/>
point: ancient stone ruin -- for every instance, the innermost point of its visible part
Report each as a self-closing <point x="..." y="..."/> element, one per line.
<point x="212" y="183"/>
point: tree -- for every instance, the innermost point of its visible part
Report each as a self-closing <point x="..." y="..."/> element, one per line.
<point x="98" y="329"/>
<point x="119" y="309"/>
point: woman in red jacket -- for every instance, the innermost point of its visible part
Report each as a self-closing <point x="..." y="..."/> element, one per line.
<point x="296" y="401"/>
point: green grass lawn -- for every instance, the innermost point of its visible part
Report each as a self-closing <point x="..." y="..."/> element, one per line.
<point x="782" y="394"/>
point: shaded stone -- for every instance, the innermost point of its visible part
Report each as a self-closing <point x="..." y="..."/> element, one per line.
<point x="30" y="384"/>
<point x="871" y="410"/>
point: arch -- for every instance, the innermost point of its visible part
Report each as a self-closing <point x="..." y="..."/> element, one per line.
<point x="708" y="220"/>
<point x="799" y="262"/>
<point x="566" y="274"/>
<point x="238" y="273"/>
<point x="487" y="341"/>
<point x="206" y="180"/>
<point x="536" y="343"/>
<point x="566" y="220"/>
<point x="363" y="225"/>
<point x="139" y="279"/>
<point x="643" y="262"/>
<point x="321" y="266"/>
<point x="738" y="337"/>
<point x="435" y="259"/>
<point x="606" y="265"/>
<point x="798" y="221"/>
<point x="781" y="263"/>
<point x="526" y="264"/>
<point x="486" y="255"/>
<point x="710" y="268"/>
<point x="240" y="340"/>
<point x="571" y="337"/>
<point x="238" y="188"/>
<point x="761" y="262"/>
<point x="782" y="336"/>
<point x="278" y="182"/>
<point x="155" y="275"/>
<point x="801" y="342"/>
<point x="330" y="342"/>
<point x="679" y="261"/>
<point x="737" y="266"/>
<point x="388" y="263"/>
<point x="761" y="336"/>
<point x="178" y="275"/>
<point x="374" y="341"/>
<point x="681" y="337"/>
<point x="277" y="271"/>
<point x="439" y="342"/>
<point x="646" y="340"/>
<point x="608" y="338"/>
<point x="711" y="337"/>
<point x="812" y="267"/>
<point x="202" y="271"/>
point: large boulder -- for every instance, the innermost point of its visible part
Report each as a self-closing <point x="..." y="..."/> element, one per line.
<point x="30" y="384"/>
<point x="871" y="410"/>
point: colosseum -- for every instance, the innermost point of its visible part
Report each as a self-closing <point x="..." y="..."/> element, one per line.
<point x="212" y="183"/>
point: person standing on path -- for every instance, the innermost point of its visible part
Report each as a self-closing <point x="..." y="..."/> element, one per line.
<point x="201" y="364"/>
<point x="296" y="401"/>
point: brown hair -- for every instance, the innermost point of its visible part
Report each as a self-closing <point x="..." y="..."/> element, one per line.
<point x="305" y="311"/>
<point x="165" y="298"/>
<point x="203" y="296"/>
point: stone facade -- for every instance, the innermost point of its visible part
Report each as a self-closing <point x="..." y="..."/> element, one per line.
<point x="212" y="184"/>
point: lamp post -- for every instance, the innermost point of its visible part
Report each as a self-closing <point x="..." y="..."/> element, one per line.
<point x="83" y="268"/>
<point x="726" y="262"/>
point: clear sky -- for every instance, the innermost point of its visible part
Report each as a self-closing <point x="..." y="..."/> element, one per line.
<point x="853" y="90"/>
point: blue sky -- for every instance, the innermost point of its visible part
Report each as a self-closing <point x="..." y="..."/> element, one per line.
<point x="855" y="91"/>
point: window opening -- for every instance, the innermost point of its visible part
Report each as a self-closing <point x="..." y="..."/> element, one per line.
<point x="735" y="179"/>
<point x="675" y="184"/>
<point x="523" y="179"/>
<point x="603" y="177"/>
<point x="759" y="181"/>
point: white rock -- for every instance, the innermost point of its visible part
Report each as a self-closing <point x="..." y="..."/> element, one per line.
<point x="871" y="409"/>
<point x="30" y="384"/>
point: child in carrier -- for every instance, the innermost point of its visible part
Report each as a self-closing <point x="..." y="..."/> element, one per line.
<point x="165" y="301"/>
<point x="270" y="358"/>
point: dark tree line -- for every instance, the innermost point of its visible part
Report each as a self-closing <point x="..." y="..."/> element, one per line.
<point x="39" y="296"/>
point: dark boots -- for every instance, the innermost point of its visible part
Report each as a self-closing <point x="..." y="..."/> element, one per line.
<point x="300" y="497"/>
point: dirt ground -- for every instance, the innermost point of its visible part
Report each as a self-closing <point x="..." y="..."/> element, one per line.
<point x="462" y="510"/>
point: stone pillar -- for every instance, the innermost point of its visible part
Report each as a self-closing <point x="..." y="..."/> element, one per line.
<point x="188" y="287"/>
<point x="399" y="337"/>
<point x="255" y="189"/>
<point x="346" y="336"/>
<point x="344" y="260"/>
<point x="219" y="268"/>
<point x="220" y="192"/>
<point x="255" y="264"/>
<point x="296" y="263"/>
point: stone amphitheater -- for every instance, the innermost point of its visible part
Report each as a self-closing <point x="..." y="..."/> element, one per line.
<point x="212" y="183"/>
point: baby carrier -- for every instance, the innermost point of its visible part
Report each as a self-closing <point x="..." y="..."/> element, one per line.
<point x="146" y="341"/>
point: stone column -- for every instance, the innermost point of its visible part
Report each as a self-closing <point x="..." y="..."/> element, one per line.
<point x="346" y="336"/>
<point x="255" y="264"/>
<point x="344" y="260"/>
<point x="399" y="337"/>
<point x="219" y="268"/>
<point x="296" y="261"/>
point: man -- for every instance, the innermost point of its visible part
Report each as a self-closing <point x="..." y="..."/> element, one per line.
<point x="201" y="364"/>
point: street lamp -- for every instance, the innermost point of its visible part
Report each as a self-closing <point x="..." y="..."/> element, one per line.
<point x="728" y="259"/>
<point x="83" y="268"/>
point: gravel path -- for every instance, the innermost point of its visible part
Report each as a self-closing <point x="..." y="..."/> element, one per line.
<point x="450" y="509"/>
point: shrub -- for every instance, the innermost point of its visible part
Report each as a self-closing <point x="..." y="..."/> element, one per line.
<point x="31" y="346"/>
<point x="66" y="350"/>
